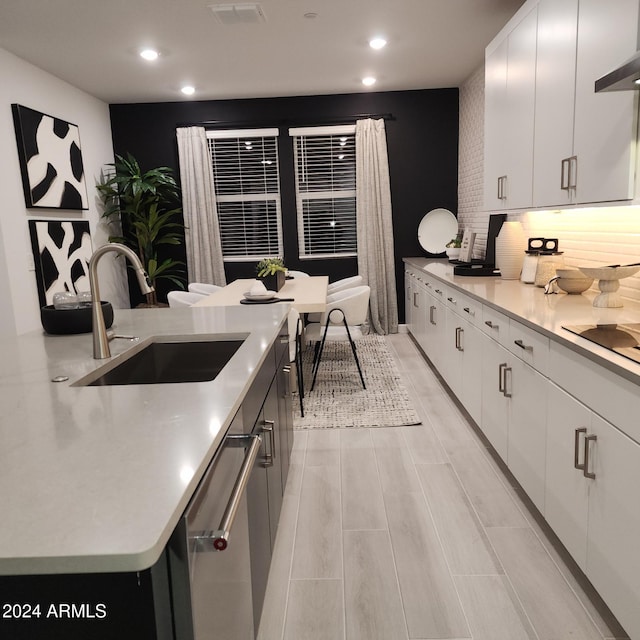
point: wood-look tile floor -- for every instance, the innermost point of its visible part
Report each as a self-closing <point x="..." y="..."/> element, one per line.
<point x="417" y="532"/>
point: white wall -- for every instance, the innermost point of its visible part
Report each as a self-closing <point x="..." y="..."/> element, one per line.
<point x="588" y="237"/>
<point x="22" y="83"/>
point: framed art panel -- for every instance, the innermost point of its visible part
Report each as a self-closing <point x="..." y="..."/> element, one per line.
<point x="50" y="160"/>
<point x="61" y="254"/>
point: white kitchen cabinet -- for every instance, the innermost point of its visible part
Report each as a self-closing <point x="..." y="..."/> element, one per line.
<point x="435" y="324"/>
<point x="566" y="492"/>
<point x="527" y="427"/>
<point x="408" y="299"/>
<point x="509" y="116"/>
<point x="613" y="531"/>
<point x="555" y="96"/>
<point x="495" y="106"/>
<point x="514" y="397"/>
<point x="605" y="123"/>
<point x="495" y="403"/>
<point x="591" y="501"/>
<point x="463" y="352"/>
<point x="584" y="147"/>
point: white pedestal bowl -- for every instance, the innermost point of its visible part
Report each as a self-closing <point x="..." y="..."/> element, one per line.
<point x="608" y="282"/>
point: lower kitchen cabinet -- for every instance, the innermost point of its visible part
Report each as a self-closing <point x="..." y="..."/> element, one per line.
<point x="463" y="355"/>
<point x="593" y="471"/>
<point x="495" y="402"/>
<point x="527" y="392"/>
<point x="613" y="529"/>
<point x="560" y="423"/>
<point x="567" y="490"/>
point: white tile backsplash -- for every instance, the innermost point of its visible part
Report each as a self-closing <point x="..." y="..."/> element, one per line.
<point x="593" y="236"/>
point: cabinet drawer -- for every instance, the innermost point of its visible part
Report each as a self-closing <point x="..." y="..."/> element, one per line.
<point x="466" y="307"/>
<point x="495" y="325"/>
<point x="613" y="397"/>
<point x="529" y="345"/>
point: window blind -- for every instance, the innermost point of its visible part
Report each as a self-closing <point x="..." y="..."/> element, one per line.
<point x="325" y="174"/>
<point x="247" y="188"/>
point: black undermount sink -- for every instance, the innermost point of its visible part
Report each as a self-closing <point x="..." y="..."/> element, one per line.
<point x="167" y="362"/>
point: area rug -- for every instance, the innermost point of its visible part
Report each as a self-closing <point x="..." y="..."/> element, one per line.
<point x="339" y="401"/>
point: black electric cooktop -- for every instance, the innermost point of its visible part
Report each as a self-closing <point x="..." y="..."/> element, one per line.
<point x="623" y="339"/>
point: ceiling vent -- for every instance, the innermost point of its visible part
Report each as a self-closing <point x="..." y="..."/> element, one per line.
<point x="244" y="13"/>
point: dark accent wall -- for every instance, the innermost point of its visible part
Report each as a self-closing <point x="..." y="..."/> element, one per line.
<point x="422" y="141"/>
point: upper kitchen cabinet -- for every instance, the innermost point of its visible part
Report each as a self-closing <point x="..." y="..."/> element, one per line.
<point x="509" y="114"/>
<point x="584" y="148"/>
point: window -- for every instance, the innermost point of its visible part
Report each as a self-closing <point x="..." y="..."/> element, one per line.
<point x="325" y="171"/>
<point x="247" y="188"/>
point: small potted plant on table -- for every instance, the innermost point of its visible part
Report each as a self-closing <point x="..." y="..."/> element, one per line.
<point x="272" y="272"/>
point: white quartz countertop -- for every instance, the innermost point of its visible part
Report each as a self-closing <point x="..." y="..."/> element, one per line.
<point x="529" y="305"/>
<point x="94" y="479"/>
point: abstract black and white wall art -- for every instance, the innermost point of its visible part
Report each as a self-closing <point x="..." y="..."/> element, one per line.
<point x="50" y="160"/>
<point x="61" y="253"/>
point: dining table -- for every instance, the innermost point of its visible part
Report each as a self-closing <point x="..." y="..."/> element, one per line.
<point x="306" y="295"/>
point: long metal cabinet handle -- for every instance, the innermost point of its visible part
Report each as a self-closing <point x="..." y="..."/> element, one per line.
<point x="268" y="428"/>
<point x="505" y="393"/>
<point x="432" y="314"/>
<point x="564" y="174"/>
<point x="501" y="369"/>
<point x="220" y="537"/>
<point x="459" y="332"/>
<point x="576" y="448"/>
<point x="573" y="172"/>
<point x="500" y="188"/>
<point x="585" y="471"/>
<point x="415" y="296"/>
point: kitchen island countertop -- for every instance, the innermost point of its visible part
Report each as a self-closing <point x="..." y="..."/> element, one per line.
<point x="94" y="479"/>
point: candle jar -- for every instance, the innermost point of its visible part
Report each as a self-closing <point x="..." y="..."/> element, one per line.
<point x="548" y="262"/>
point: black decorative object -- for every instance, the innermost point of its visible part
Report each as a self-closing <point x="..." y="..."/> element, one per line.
<point x="50" y="160"/>
<point x="70" y="321"/>
<point x="274" y="282"/>
<point x="61" y="254"/>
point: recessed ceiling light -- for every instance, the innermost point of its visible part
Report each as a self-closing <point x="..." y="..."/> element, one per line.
<point x="368" y="81"/>
<point x="188" y="90"/>
<point x="311" y="15"/>
<point x="149" y="54"/>
<point x="377" y="43"/>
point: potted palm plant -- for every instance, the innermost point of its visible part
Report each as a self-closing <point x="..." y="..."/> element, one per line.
<point x="147" y="204"/>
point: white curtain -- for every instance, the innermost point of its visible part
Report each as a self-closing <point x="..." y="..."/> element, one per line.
<point x="376" y="262"/>
<point x="202" y="235"/>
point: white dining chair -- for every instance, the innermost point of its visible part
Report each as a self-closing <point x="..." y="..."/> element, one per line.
<point x="341" y="321"/>
<point x="183" y="298"/>
<point x="345" y="283"/>
<point x="203" y="288"/>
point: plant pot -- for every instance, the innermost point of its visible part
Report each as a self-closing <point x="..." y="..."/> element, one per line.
<point x="274" y="282"/>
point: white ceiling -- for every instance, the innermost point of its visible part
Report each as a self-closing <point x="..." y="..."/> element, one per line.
<point x="94" y="45"/>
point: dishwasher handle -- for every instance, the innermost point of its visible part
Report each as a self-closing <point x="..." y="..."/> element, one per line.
<point x="220" y="537"/>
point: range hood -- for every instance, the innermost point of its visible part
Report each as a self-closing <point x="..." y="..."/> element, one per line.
<point x="623" y="78"/>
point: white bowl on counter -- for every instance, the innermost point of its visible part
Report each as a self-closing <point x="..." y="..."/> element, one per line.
<point x="572" y="280"/>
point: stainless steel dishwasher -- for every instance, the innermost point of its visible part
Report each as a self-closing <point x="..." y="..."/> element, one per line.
<point x="210" y="551"/>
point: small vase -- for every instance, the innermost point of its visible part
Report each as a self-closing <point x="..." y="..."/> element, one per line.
<point x="510" y="247"/>
<point x="274" y="282"/>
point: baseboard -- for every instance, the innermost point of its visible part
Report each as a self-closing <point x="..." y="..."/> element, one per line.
<point x="402" y="328"/>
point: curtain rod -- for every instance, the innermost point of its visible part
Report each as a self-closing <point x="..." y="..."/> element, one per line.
<point x="287" y="123"/>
